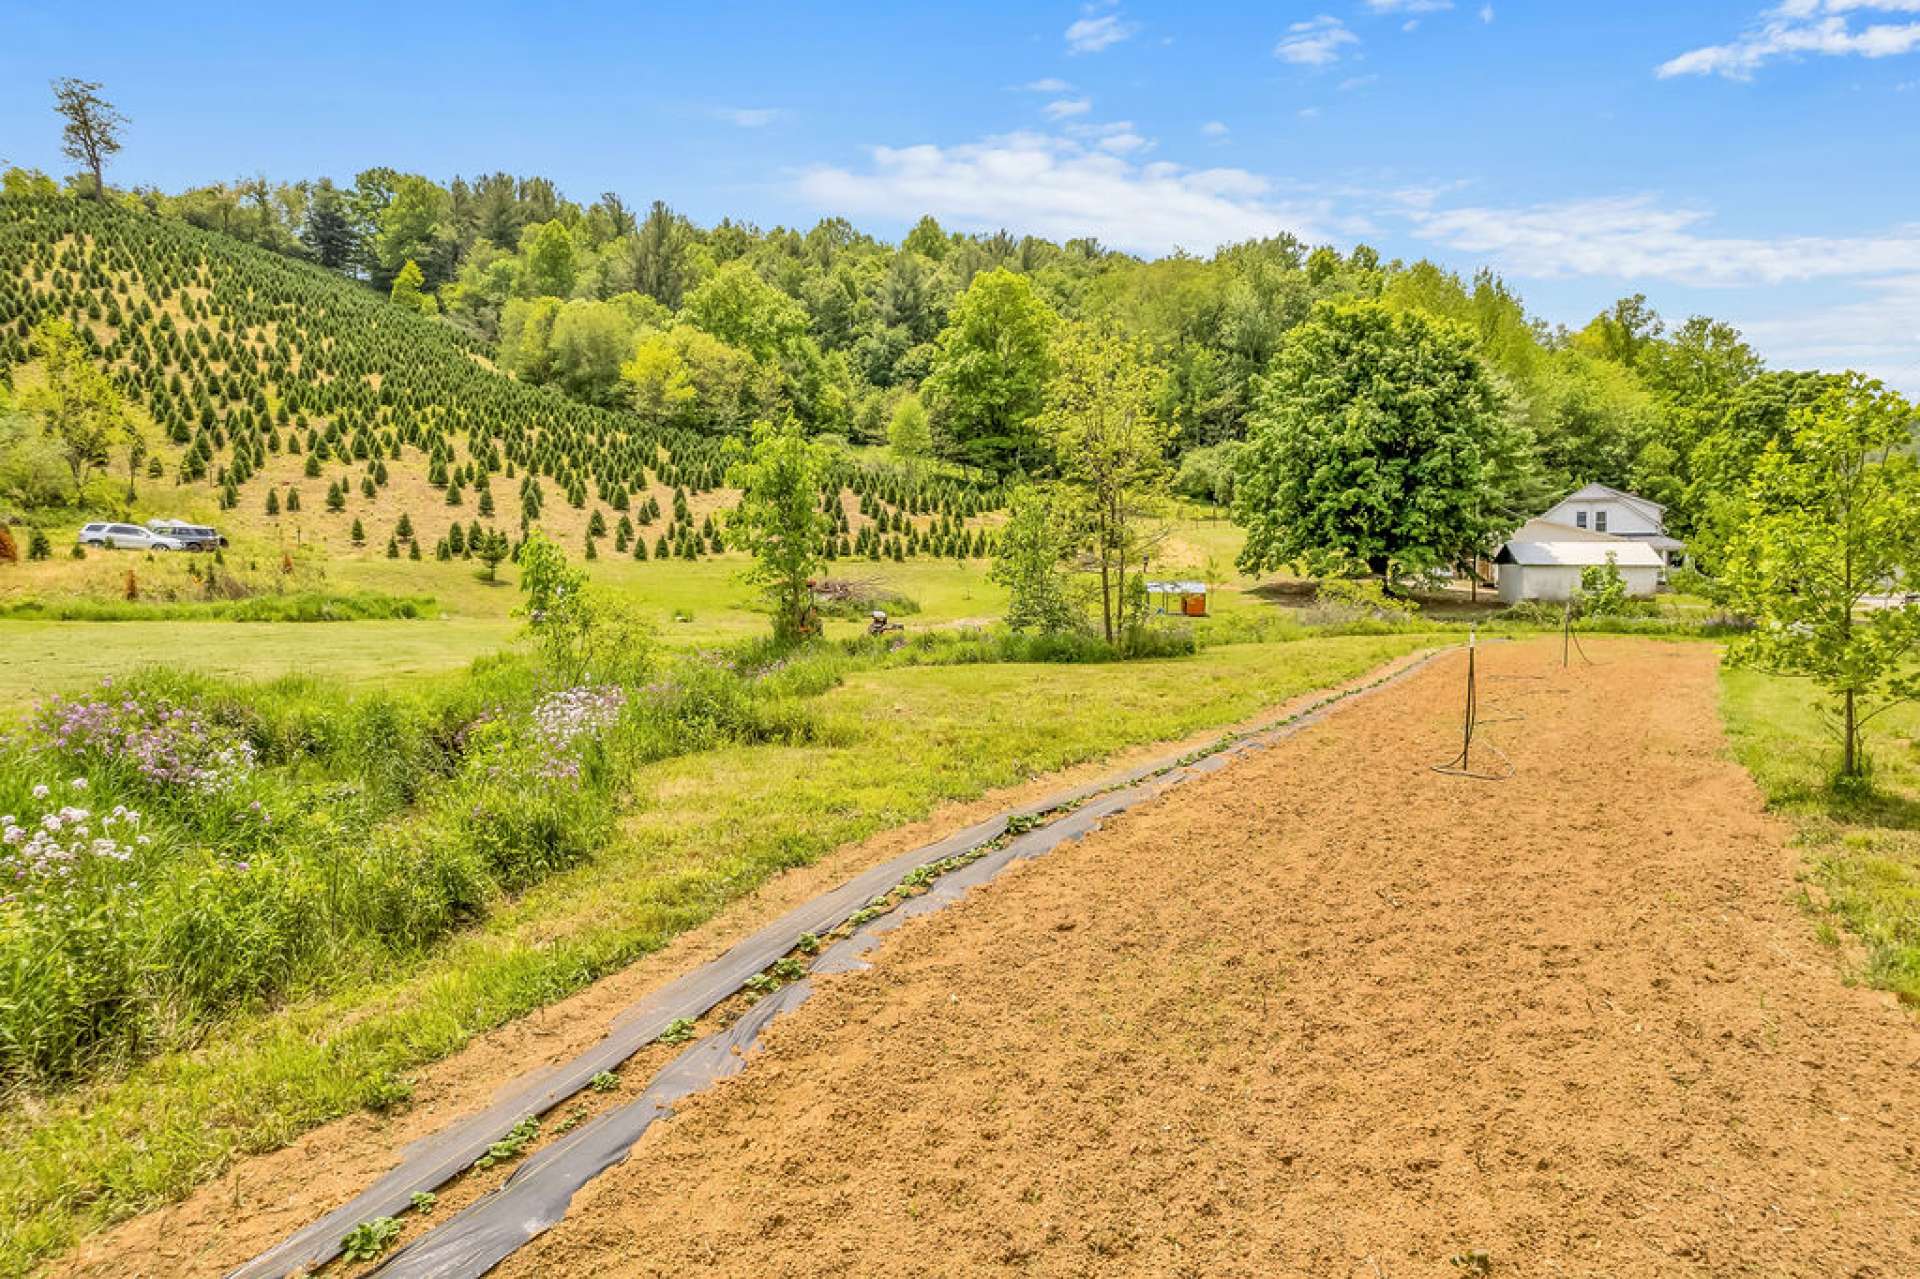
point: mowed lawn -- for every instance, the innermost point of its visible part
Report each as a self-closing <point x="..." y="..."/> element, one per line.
<point x="41" y="658"/>
<point x="690" y="604"/>
<point x="1863" y="850"/>
<point x="889" y="747"/>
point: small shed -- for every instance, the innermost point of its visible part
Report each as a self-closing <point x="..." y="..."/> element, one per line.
<point x="1544" y="562"/>
<point x="1188" y="599"/>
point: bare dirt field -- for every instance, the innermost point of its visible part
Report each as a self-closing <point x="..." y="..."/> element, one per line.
<point x="1327" y="1012"/>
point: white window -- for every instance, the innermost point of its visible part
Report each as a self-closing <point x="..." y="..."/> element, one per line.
<point x="1579" y="519"/>
<point x="1599" y="521"/>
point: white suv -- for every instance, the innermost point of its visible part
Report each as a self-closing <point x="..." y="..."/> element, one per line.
<point x="127" y="537"/>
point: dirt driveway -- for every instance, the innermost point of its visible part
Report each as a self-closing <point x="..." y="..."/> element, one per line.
<point x="1328" y="1012"/>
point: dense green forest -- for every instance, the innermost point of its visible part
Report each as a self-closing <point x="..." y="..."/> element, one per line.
<point x="707" y="328"/>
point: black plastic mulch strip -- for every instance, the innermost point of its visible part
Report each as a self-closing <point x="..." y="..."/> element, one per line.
<point x="437" y="1158"/>
<point x="537" y="1196"/>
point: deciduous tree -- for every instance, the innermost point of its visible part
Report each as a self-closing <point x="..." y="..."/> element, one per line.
<point x="779" y="520"/>
<point x="1379" y="440"/>
<point x="91" y="135"/>
<point x="80" y="406"/>
<point x="990" y="372"/>
<point x="1100" y="425"/>
<point x="1826" y="539"/>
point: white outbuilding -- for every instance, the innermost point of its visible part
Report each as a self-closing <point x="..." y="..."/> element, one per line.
<point x="1544" y="560"/>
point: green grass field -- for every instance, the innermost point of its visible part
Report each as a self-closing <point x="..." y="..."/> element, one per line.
<point x="706" y="602"/>
<point x="1863" y="850"/>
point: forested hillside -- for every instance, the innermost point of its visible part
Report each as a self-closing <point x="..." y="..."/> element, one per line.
<point x="289" y="390"/>
<point x="704" y="329"/>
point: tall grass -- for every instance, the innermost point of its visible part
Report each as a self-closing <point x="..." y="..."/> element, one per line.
<point x="179" y="849"/>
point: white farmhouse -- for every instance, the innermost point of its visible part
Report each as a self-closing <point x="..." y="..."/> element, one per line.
<point x="1544" y="560"/>
<point x="1599" y="509"/>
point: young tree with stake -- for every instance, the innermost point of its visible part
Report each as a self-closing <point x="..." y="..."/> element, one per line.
<point x="1822" y="550"/>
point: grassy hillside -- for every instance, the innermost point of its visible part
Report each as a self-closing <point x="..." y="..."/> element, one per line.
<point x="264" y="384"/>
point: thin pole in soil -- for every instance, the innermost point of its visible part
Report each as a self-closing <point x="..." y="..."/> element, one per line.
<point x="1461" y="765"/>
<point x="1568" y="640"/>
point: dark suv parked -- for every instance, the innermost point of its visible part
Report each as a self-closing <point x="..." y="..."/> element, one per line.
<point x="194" y="537"/>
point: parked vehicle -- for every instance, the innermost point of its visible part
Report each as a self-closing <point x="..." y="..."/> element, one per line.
<point x="195" y="537"/>
<point x="127" y="537"/>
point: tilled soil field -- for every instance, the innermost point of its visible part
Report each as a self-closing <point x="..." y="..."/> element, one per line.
<point x="1328" y="1012"/>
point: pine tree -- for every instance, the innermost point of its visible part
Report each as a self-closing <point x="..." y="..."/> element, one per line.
<point x="393" y="549"/>
<point x="404" y="529"/>
<point x="359" y="533"/>
<point x="273" y="502"/>
<point x="293" y="500"/>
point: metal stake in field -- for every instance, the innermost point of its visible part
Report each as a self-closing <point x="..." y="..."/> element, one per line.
<point x="1461" y="765"/>
<point x="1568" y="640"/>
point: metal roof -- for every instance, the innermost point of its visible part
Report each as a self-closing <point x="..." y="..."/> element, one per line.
<point x="1176" y="588"/>
<point x="1580" y="554"/>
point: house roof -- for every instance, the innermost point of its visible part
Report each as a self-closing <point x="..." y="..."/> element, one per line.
<point x="1176" y="588"/>
<point x="1597" y="492"/>
<point x="1545" y="530"/>
<point x="1544" y="544"/>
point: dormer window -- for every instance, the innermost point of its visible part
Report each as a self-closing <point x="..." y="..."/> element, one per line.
<point x="1579" y="519"/>
<point x="1599" y="521"/>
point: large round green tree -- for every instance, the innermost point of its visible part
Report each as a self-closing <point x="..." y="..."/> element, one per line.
<point x="990" y="371"/>
<point x="1379" y="439"/>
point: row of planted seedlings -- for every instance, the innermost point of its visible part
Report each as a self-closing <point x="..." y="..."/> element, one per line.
<point x="371" y="1240"/>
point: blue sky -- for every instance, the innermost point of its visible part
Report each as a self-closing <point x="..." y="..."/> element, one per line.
<point x="1756" y="162"/>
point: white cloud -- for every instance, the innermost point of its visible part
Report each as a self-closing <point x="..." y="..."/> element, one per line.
<point x="1314" y="43"/>
<point x="1779" y="290"/>
<point x="1093" y="33"/>
<point x="1048" y="84"/>
<point x="1117" y="136"/>
<point x="1878" y="334"/>
<point x="1408" y="6"/>
<point x="1065" y="187"/>
<point x="1357" y="82"/>
<point x="1308" y="113"/>
<point x="1486" y="13"/>
<point x="1634" y="237"/>
<point x="1062" y="108"/>
<point x="749" y="117"/>
<point x="1801" y="27"/>
<point x="1214" y="129"/>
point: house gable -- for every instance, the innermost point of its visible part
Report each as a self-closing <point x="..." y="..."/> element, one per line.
<point x="1600" y="509"/>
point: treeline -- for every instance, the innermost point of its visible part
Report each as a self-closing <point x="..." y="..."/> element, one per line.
<point x="948" y="335"/>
